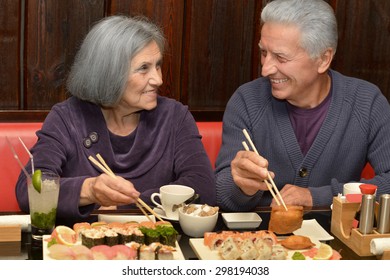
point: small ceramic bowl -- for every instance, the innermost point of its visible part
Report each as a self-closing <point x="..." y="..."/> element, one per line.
<point x="194" y="225"/>
<point x="247" y="220"/>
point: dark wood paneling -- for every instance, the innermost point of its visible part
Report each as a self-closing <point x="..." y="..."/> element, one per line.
<point x="54" y="30"/>
<point x="168" y="14"/>
<point x="211" y="48"/>
<point x="10" y="19"/>
<point x="364" y="43"/>
<point x="218" y="52"/>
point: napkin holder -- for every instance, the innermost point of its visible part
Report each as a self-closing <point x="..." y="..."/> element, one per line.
<point x="10" y="233"/>
<point x="343" y="215"/>
<point x="10" y="240"/>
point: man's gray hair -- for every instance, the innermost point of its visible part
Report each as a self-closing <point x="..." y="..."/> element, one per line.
<point x="314" y="18"/>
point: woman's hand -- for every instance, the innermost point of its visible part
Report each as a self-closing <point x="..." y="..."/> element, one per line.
<point x="107" y="191"/>
<point x="249" y="171"/>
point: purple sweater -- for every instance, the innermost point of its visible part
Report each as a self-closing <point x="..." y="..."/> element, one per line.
<point x="165" y="148"/>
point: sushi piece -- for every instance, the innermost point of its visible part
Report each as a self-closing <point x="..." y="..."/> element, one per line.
<point x="151" y="235"/>
<point x="123" y="252"/>
<point x="79" y="227"/>
<point x="137" y="236"/>
<point x="229" y="250"/>
<point x="249" y="251"/>
<point x="263" y="248"/>
<point x="111" y="237"/>
<point x="61" y="252"/>
<point x="165" y="252"/>
<point x="124" y="235"/>
<point x="168" y="234"/>
<point x="147" y="224"/>
<point x="102" y="252"/>
<point x="82" y="252"/>
<point x="278" y="252"/>
<point x="92" y="237"/>
<point x="147" y="252"/>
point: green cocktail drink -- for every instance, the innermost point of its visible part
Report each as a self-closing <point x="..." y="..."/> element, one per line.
<point x="43" y="204"/>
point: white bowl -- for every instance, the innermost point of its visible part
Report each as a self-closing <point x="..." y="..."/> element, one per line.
<point x="242" y="220"/>
<point x="196" y="226"/>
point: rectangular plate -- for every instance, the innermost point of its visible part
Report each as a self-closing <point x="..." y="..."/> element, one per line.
<point x="177" y="255"/>
<point x="123" y="218"/>
<point x="312" y="229"/>
<point x="204" y="253"/>
<point x="243" y="220"/>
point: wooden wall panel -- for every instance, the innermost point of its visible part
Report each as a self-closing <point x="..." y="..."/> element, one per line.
<point x="211" y="48"/>
<point x="54" y="30"/>
<point x="168" y="14"/>
<point x="218" y="50"/>
<point x="10" y="19"/>
<point x="364" y="41"/>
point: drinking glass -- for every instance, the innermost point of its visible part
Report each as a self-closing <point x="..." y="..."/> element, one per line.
<point x="43" y="205"/>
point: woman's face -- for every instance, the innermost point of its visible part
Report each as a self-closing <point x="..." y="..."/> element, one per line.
<point x="144" y="79"/>
<point x="292" y="73"/>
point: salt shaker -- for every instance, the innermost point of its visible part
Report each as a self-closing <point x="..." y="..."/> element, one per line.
<point x="366" y="222"/>
<point x="384" y="214"/>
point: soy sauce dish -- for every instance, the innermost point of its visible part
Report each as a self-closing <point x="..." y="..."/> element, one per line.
<point x="243" y="220"/>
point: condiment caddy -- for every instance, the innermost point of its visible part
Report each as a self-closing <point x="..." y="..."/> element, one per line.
<point x="343" y="215"/>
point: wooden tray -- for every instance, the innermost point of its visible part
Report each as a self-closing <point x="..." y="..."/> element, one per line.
<point x="343" y="215"/>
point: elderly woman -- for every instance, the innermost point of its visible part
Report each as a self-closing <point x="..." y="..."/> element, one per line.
<point x="147" y="140"/>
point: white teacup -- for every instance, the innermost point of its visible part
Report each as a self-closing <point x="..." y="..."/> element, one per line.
<point x="351" y="188"/>
<point x="171" y="196"/>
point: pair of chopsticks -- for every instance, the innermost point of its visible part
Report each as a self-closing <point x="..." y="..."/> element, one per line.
<point x="269" y="175"/>
<point x="106" y="169"/>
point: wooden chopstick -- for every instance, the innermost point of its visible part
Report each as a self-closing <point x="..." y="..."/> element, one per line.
<point x="269" y="175"/>
<point x="104" y="167"/>
<point x="265" y="181"/>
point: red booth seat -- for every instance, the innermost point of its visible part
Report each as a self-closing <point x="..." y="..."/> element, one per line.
<point x="9" y="168"/>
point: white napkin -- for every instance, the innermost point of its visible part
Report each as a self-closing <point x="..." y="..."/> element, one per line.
<point x="23" y="220"/>
<point x="378" y="245"/>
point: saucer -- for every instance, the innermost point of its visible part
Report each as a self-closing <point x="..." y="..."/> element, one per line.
<point x="161" y="213"/>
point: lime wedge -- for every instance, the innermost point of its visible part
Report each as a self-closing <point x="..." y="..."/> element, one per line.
<point x="36" y="180"/>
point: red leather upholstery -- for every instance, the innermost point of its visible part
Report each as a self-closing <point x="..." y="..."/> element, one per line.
<point x="212" y="138"/>
<point x="9" y="168"/>
<point x="368" y="172"/>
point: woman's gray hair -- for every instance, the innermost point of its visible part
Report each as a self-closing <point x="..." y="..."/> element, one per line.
<point x="314" y="18"/>
<point x="101" y="67"/>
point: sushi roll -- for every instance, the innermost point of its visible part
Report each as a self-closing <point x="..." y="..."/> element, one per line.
<point x="278" y="252"/>
<point x="264" y="249"/>
<point x="165" y="252"/>
<point x="249" y="251"/>
<point x="79" y="227"/>
<point x="124" y="236"/>
<point x="92" y="237"/>
<point x="137" y="236"/>
<point x="151" y="235"/>
<point x="168" y="234"/>
<point x="111" y="237"/>
<point x="147" y="252"/>
<point x="229" y="250"/>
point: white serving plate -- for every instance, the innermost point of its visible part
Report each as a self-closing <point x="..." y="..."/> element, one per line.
<point x="241" y="220"/>
<point x="177" y="255"/>
<point x="108" y="218"/>
<point x="203" y="252"/>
